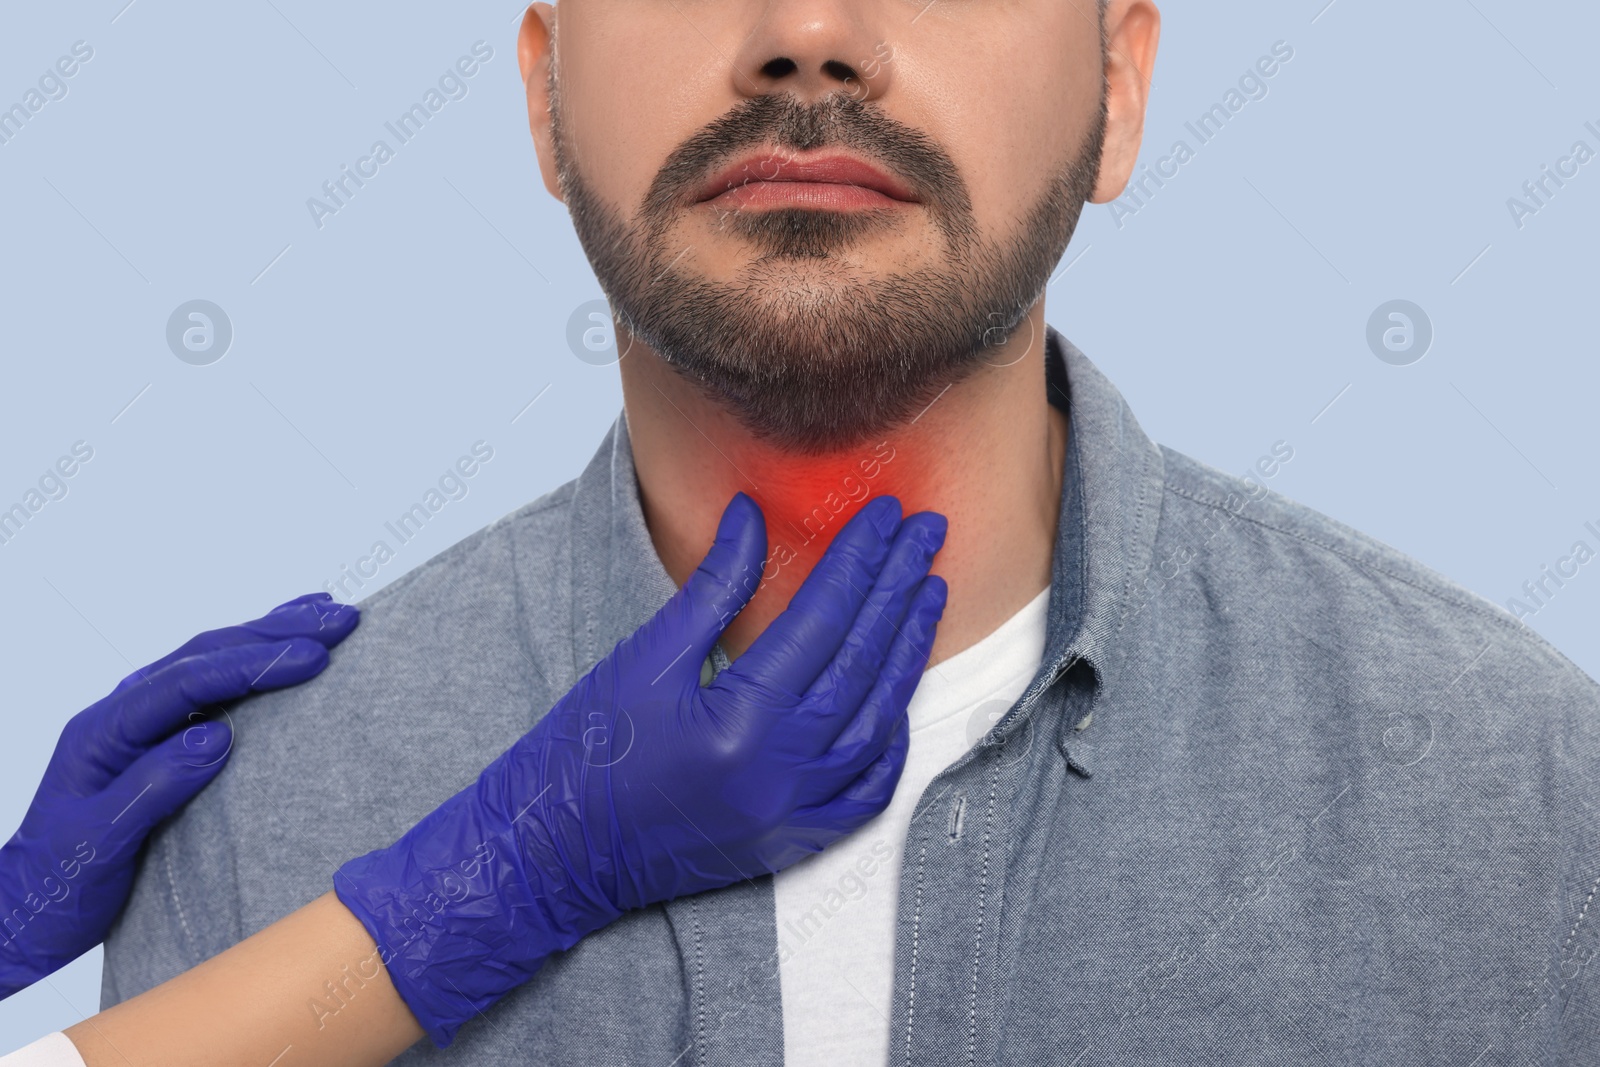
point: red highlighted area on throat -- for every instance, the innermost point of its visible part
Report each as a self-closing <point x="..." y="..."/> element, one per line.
<point x="807" y="501"/>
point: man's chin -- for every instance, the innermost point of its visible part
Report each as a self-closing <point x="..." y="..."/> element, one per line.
<point x="723" y="256"/>
<point x="816" y="371"/>
<point x="798" y="235"/>
<point x="779" y="284"/>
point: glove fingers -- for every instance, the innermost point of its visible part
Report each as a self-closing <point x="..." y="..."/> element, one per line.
<point x="868" y="735"/>
<point x="864" y="798"/>
<point x="129" y="722"/>
<point x="794" y="648"/>
<point x="847" y="679"/>
<point x="314" y="615"/>
<point x="160" y="782"/>
<point x="673" y="644"/>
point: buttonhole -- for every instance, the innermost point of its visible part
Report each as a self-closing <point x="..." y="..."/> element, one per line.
<point x="957" y="814"/>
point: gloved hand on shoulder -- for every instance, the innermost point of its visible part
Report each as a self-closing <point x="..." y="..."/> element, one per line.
<point x="130" y="760"/>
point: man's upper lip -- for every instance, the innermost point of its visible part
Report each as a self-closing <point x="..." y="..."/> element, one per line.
<point x="832" y="167"/>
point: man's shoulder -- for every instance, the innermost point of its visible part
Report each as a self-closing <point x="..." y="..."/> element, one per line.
<point x="1346" y="593"/>
<point x="534" y="535"/>
<point x="455" y="648"/>
<point x="490" y="613"/>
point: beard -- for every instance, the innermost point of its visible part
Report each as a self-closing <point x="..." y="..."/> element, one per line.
<point x="809" y="352"/>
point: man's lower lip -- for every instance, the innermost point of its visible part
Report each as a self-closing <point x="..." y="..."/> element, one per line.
<point x="830" y="195"/>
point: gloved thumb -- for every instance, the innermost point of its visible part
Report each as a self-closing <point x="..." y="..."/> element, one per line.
<point x="672" y="645"/>
<point x="161" y="781"/>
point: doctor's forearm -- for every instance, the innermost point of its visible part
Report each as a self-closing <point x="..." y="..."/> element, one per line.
<point x="309" y="989"/>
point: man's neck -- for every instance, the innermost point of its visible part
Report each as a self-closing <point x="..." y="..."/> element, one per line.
<point x="987" y="454"/>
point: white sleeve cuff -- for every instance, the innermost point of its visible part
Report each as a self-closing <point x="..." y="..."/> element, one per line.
<point x="52" y="1050"/>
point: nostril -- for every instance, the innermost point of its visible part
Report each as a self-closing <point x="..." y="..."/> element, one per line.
<point x="778" y="68"/>
<point x="842" y="71"/>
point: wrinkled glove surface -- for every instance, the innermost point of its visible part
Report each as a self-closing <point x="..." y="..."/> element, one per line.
<point x="642" y="785"/>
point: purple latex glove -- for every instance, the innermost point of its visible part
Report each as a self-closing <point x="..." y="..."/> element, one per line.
<point x="641" y="785"/>
<point x="130" y="760"/>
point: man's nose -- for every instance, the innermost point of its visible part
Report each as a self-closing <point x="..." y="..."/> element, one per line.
<point x="811" y="48"/>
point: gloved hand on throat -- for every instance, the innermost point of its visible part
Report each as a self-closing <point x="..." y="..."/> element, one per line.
<point x="130" y="760"/>
<point x="641" y="785"/>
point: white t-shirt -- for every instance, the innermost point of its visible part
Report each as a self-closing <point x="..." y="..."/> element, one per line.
<point x="52" y="1050"/>
<point x="836" y="909"/>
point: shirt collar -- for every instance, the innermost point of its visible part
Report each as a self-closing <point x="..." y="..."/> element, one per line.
<point x="1110" y="502"/>
<point x="1112" y="486"/>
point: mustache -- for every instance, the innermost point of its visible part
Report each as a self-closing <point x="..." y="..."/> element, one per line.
<point x="836" y="120"/>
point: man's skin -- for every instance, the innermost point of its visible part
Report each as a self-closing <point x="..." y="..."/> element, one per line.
<point x="637" y="80"/>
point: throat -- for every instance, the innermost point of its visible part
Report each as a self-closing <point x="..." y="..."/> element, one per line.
<point x="988" y="456"/>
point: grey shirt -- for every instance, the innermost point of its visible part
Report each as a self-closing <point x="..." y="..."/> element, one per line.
<point x="1277" y="793"/>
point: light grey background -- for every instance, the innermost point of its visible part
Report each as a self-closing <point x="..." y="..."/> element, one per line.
<point x="426" y="315"/>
